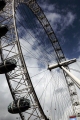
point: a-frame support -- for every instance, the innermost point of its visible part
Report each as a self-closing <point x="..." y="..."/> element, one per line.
<point x="63" y="65"/>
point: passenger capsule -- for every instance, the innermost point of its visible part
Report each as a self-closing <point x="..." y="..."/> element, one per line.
<point x="7" y="66"/>
<point x="2" y="4"/>
<point x="3" y="30"/>
<point x="20" y="105"/>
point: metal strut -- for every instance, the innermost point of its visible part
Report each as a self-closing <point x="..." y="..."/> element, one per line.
<point x="62" y="66"/>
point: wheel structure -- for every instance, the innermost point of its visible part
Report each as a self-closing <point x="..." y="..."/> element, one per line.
<point x="19" y="80"/>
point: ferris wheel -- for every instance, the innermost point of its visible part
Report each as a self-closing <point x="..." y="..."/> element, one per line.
<point x="39" y="92"/>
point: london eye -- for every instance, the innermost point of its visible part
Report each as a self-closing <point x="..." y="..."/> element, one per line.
<point x="28" y="46"/>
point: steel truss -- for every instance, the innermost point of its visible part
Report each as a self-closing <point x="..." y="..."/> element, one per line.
<point x="10" y="46"/>
<point x="19" y="81"/>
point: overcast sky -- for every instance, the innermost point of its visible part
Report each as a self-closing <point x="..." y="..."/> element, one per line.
<point x="65" y="21"/>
